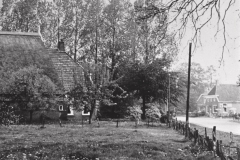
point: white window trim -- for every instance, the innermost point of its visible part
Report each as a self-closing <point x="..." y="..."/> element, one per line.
<point x="85" y="114"/>
<point x="71" y="111"/>
<point x="60" y="107"/>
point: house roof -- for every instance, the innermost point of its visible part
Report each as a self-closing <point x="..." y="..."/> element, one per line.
<point x="68" y="71"/>
<point x="226" y="92"/>
<point x="13" y="41"/>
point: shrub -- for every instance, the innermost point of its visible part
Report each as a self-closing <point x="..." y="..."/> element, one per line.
<point x="153" y="112"/>
<point x="8" y="115"/>
<point x="135" y="111"/>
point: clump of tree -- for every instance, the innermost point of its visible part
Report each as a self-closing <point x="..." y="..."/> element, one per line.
<point x="28" y="82"/>
<point x="202" y="80"/>
<point x="150" y="82"/>
<point x="30" y="90"/>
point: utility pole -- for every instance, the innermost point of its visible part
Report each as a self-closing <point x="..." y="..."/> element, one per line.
<point x="188" y="89"/>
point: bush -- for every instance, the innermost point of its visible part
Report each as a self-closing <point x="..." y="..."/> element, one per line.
<point x="153" y="111"/>
<point x="135" y="111"/>
<point x="8" y="115"/>
<point x="163" y="118"/>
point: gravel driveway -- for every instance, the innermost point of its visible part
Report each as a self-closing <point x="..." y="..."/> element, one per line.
<point x="222" y="124"/>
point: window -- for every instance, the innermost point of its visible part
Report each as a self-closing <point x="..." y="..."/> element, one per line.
<point x="214" y="108"/>
<point x="60" y="107"/>
<point x="85" y="111"/>
<point x="70" y="111"/>
<point x="225" y="109"/>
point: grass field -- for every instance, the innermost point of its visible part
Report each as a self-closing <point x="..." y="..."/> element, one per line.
<point x="92" y="142"/>
<point x="106" y="142"/>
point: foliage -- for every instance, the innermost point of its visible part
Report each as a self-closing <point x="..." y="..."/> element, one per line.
<point x="150" y="82"/>
<point x="31" y="90"/>
<point x="135" y="111"/>
<point x="8" y="114"/>
<point x="201" y="81"/>
<point x="153" y="111"/>
<point x="92" y="92"/>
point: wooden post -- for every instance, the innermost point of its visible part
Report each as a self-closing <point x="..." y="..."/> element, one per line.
<point x="205" y="132"/>
<point x="188" y="88"/>
<point x="217" y="148"/>
<point x="59" y="119"/>
<point x="214" y="133"/>
<point x="82" y="121"/>
<point x="220" y="150"/>
<point x="238" y="152"/>
<point x="208" y="143"/>
<point x="195" y="135"/>
<point x="117" y="123"/>
<point x="214" y="140"/>
<point x="183" y="127"/>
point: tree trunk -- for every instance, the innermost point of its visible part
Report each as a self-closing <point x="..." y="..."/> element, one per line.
<point x="144" y="108"/>
<point x="91" y="112"/>
<point x="31" y="113"/>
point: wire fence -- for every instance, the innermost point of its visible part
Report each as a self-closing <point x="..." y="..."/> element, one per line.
<point x="205" y="143"/>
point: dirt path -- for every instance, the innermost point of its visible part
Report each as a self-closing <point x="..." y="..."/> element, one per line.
<point x="222" y="124"/>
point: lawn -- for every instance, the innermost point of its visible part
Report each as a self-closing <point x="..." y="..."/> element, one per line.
<point x="106" y="142"/>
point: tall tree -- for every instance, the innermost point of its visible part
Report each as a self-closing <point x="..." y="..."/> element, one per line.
<point x="150" y="82"/>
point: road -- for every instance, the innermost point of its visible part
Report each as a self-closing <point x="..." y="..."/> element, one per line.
<point x="222" y="124"/>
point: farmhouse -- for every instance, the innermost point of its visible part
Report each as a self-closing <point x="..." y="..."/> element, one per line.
<point x="69" y="73"/>
<point x="221" y="99"/>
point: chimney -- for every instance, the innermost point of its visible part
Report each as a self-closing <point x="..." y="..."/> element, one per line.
<point x="61" y="46"/>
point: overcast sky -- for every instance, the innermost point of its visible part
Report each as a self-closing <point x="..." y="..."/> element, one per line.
<point x="211" y="50"/>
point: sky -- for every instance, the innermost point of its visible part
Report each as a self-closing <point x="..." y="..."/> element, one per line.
<point x="210" y="51"/>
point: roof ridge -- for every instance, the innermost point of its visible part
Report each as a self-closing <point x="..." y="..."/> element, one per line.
<point x="65" y="54"/>
<point x="20" y="33"/>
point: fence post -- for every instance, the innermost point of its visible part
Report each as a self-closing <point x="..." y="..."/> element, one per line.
<point x="195" y="135"/>
<point x="205" y="132"/>
<point x="176" y="123"/>
<point x="208" y="143"/>
<point x="183" y="128"/>
<point x="117" y="123"/>
<point x="217" y="149"/>
<point x="220" y="149"/>
<point x="238" y="152"/>
<point x="214" y="140"/>
<point x="82" y="121"/>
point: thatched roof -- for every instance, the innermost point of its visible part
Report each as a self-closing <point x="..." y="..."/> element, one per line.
<point x="68" y="71"/>
<point x="226" y="92"/>
<point x="20" y="41"/>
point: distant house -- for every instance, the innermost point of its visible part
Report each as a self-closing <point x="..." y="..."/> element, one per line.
<point x="201" y="102"/>
<point x="69" y="72"/>
<point x="222" y="98"/>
